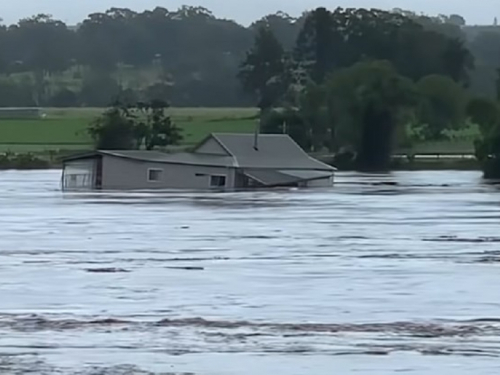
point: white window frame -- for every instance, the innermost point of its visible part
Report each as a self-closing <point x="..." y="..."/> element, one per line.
<point x="157" y="170"/>
<point x="217" y="186"/>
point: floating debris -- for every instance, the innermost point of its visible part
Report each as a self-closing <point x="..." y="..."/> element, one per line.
<point x="187" y="268"/>
<point x="107" y="270"/>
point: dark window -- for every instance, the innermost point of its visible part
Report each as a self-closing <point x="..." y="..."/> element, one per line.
<point x="217" y="181"/>
<point x="154" y="175"/>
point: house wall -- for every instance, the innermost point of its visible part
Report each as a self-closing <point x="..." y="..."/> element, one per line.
<point x="211" y="146"/>
<point x="324" y="182"/>
<point x="127" y="174"/>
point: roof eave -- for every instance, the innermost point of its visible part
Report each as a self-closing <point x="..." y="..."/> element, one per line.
<point x="81" y="156"/>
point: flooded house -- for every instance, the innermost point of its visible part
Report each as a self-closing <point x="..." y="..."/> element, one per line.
<point x="221" y="161"/>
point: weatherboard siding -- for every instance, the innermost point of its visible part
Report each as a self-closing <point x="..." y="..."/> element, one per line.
<point x="127" y="174"/>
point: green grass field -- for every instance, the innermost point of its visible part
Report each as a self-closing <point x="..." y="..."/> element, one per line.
<point x="65" y="130"/>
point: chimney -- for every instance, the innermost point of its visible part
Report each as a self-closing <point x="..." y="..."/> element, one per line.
<point x="256" y="136"/>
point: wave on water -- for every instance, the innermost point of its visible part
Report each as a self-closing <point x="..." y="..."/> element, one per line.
<point x="463" y="239"/>
<point x="34" y="323"/>
<point x="198" y="336"/>
<point x="32" y="364"/>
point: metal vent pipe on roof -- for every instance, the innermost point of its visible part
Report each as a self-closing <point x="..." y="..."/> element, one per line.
<point x="256" y="136"/>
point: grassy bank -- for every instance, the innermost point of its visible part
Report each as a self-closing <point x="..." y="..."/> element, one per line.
<point x="65" y="129"/>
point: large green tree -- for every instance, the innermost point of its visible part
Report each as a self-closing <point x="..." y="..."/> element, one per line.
<point x="262" y="70"/>
<point x="442" y="105"/>
<point x="42" y="46"/>
<point x="488" y="152"/>
<point x="318" y="44"/>
<point x="283" y="26"/>
<point x="154" y="127"/>
<point x="332" y="40"/>
<point x="485" y="113"/>
<point x="486" y="48"/>
<point x="367" y="103"/>
<point x="307" y="122"/>
<point x="125" y="127"/>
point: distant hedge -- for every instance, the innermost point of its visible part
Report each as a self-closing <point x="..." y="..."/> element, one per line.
<point x="20" y="113"/>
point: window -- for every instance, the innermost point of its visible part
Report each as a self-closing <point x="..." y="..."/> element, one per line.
<point x="154" y="175"/>
<point x="217" y="181"/>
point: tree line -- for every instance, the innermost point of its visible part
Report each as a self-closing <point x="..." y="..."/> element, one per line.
<point x="192" y="58"/>
<point x="360" y="82"/>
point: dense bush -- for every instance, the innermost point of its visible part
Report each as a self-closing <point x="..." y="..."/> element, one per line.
<point x="22" y="161"/>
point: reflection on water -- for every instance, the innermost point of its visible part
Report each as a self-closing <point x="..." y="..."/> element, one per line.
<point x="381" y="274"/>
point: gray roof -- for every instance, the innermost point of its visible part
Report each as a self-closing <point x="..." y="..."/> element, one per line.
<point x="174" y="158"/>
<point x="156" y="156"/>
<point x="270" y="177"/>
<point x="163" y="157"/>
<point x="273" y="177"/>
<point x="275" y="151"/>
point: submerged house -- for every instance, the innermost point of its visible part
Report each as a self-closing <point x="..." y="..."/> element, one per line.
<point x="221" y="161"/>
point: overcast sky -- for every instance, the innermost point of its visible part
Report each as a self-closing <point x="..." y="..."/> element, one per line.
<point x="73" y="11"/>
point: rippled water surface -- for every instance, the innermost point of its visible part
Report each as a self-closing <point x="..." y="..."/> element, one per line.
<point x="382" y="274"/>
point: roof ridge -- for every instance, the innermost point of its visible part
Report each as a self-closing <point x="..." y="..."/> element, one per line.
<point x="235" y="159"/>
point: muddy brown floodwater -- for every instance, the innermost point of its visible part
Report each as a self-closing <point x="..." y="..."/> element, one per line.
<point x="380" y="275"/>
